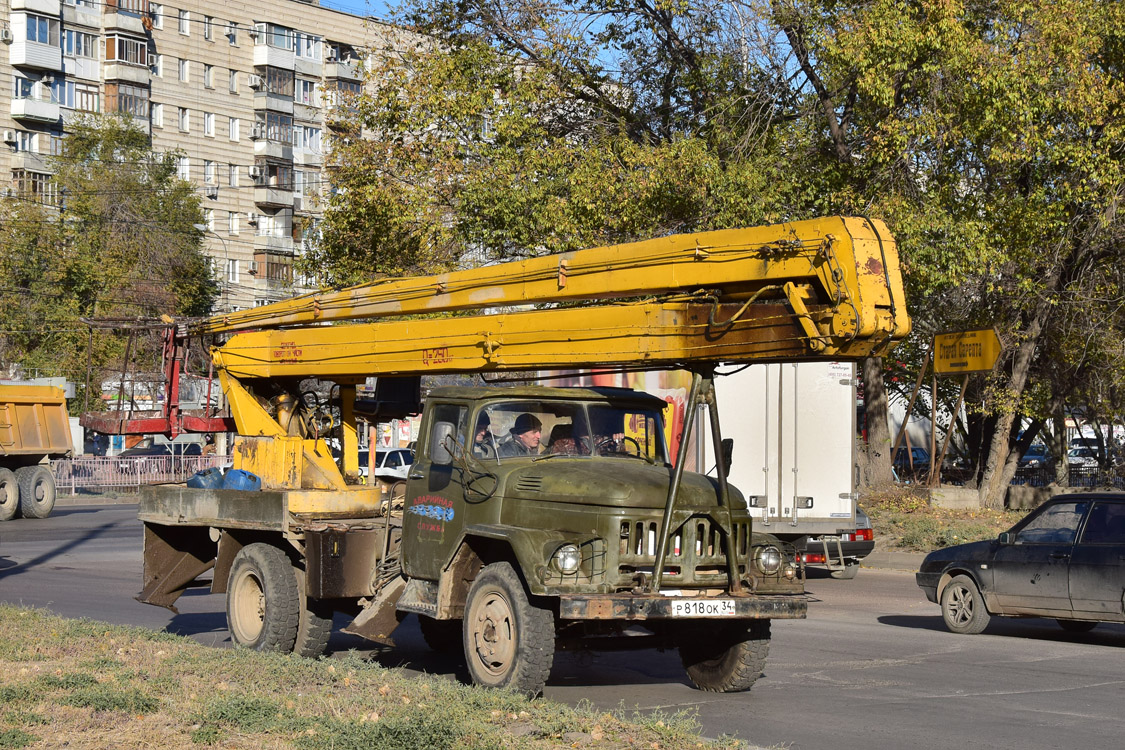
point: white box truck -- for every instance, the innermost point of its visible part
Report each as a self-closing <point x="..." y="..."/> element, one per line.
<point x="794" y="457"/>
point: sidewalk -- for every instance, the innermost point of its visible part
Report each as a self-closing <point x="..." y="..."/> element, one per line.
<point x="893" y="560"/>
<point x="109" y="497"/>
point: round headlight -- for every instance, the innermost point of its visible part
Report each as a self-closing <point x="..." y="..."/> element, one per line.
<point x="567" y="558"/>
<point x="768" y="559"/>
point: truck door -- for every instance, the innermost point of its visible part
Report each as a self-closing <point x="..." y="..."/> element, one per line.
<point x="435" y="497"/>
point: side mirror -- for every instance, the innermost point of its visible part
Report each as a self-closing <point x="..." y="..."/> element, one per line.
<point x="727" y="449"/>
<point x="1005" y="537"/>
<point x="441" y="438"/>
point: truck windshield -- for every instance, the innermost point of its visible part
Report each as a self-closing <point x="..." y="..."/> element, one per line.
<point x="518" y="429"/>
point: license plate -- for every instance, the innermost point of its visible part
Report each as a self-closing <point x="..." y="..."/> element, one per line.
<point x="703" y="608"/>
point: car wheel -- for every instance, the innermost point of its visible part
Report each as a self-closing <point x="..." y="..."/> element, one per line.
<point x="9" y="495"/>
<point x="726" y="660"/>
<point x="263" y="612"/>
<point x="314" y="622"/>
<point x="509" y="642"/>
<point x="847" y="573"/>
<point x="1077" y="626"/>
<point x="37" y="491"/>
<point x="962" y="607"/>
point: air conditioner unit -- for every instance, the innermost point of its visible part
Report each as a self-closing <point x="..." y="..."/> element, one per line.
<point x="47" y="80"/>
<point x="254" y="81"/>
<point x="211" y="192"/>
<point x="252" y="219"/>
<point x="9" y="136"/>
<point x="254" y="171"/>
<point x="6" y="35"/>
<point x="258" y="131"/>
<point x="253" y="32"/>
<point x="252" y="268"/>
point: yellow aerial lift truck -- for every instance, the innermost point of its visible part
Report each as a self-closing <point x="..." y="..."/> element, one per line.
<point x="533" y="517"/>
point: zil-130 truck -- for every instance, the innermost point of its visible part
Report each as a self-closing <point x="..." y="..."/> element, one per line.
<point x="533" y="517"/>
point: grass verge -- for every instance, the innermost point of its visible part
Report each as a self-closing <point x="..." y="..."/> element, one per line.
<point x="904" y="521"/>
<point x="88" y="685"/>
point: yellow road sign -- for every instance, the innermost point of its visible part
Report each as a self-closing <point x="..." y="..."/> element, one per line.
<point x="964" y="352"/>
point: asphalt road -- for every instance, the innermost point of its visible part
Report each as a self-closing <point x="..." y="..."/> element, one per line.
<point x="872" y="667"/>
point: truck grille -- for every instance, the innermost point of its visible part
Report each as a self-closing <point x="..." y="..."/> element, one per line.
<point x="529" y="483"/>
<point x="695" y="551"/>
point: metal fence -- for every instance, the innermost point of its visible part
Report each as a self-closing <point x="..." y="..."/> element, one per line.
<point x="128" y="472"/>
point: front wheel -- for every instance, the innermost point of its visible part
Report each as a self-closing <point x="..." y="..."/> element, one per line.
<point x="962" y="607"/>
<point x="728" y="659"/>
<point x="37" y="491"/>
<point x="509" y="642"/>
<point x="263" y="610"/>
<point x="9" y="495"/>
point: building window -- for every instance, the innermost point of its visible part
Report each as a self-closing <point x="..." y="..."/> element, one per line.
<point x="209" y="218"/>
<point x="232" y="271"/>
<point x="157" y="115"/>
<point x="232" y="222"/>
<point x="183" y="118"/>
<point x="276" y="36"/>
<point x="43" y="30"/>
<point x="76" y="95"/>
<point x="157" y="64"/>
<point x="232" y="175"/>
<point x="183" y="168"/>
<point x="306" y="92"/>
<point x="209" y="172"/>
<point x="127" y="50"/>
<point x="38" y="187"/>
<point x="277" y="81"/>
<point x="232" y="82"/>
<point x="185" y="23"/>
<point x="275" y="174"/>
<point x="156" y="14"/>
<point x="232" y="33"/>
<point x="208" y="74"/>
<point x="185" y="70"/>
<point x="208" y="123"/>
<point x="307" y="46"/>
<point x="79" y="44"/>
<point x="308" y="139"/>
<point x="22" y="88"/>
<point x="233" y="127"/>
<point x="25" y="141"/>
<point x="127" y="99"/>
<point x="133" y="7"/>
<point x="207" y="21"/>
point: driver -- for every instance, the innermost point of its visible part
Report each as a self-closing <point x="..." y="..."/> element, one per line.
<point x="482" y="438"/>
<point x="525" y="436"/>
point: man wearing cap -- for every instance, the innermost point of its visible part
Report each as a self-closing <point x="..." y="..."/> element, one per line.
<point x="482" y="439"/>
<point x="525" y="434"/>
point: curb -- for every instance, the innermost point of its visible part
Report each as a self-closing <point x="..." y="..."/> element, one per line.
<point x="64" y="501"/>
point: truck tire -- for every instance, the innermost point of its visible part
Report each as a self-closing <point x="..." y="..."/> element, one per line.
<point x="509" y="642"/>
<point x="37" y="491"/>
<point x="729" y="660"/>
<point x="9" y="495"/>
<point x="962" y="607"/>
<point x="442" y="636"/>
<point x="263" y="612"/>
<point x="314" y="622"/>
<point x="847" y="573"/>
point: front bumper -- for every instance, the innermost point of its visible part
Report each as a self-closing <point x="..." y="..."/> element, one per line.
<point x="928" y="582"/>
<point x="657" y="607"/>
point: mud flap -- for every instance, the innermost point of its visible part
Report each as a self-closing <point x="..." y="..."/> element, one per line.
<point x="379" y="619"/>
<point x="174" y="556"/>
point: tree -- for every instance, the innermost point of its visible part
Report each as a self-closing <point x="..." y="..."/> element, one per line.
<point x="111" y="237"/>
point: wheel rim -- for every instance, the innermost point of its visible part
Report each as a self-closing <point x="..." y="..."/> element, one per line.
<point x="9" y="494"/>
<point x="248" y="608"/>
<point x="39" y="491"/>
<point x="494" y="633"/>
<point x="960" y="605"/>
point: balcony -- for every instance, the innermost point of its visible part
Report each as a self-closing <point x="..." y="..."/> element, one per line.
<point x="43" y="7"/>
<point x="25" y="54"/>
<point x="119" y="71"/>
<point x="276" y="245"/>
<point x="348" y="69"/>
<point x="273" y="149"/>
<point x="34" y="110"/>
<point x="276" y="57"/>
<point x="29" y="162"/>
<point x="271" y="101"/>
<point x="267" y="196"/>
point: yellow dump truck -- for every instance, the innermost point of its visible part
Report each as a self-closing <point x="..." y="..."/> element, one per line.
<point x="33" y="429"/>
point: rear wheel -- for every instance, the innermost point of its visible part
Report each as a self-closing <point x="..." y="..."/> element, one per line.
<point x="263" y="612"/>
<point x="728" y="660"/>
<point x="962" y="607"/>
<point x="1077" y="626"/>
<point x="314" y="623"/>
<point x="509" y="642"/>
<point x="9" y="495"/>
<point x="37" y="491"/>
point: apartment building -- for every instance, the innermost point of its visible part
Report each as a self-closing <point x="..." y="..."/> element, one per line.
<point x="246" y="90"/>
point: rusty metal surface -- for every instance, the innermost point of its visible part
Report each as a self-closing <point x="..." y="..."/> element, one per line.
<point x="341" y="562"/>
<point x="174" y="557"/>
<point x="657" y="607"/>
<point x="239" y="509"/>
<point x="379" y="619"/>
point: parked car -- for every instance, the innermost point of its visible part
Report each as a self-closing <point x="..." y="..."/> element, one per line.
<point x="1065" y="560"/>
<point x="1037" y="456"/>
<point x="390" y="465"/>
<point x="156" y="450"/>
<point x="917" y="461"/>
<point x="1082" y="457"/>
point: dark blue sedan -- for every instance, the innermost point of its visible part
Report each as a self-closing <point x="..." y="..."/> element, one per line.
<point x="1066" y="560"/>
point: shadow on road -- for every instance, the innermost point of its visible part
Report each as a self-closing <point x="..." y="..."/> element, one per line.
<point x="94" y="533"/>
<point x="5" y="563"/>
<point x="917" y="622"/>
<point x="1034" y="628"/>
